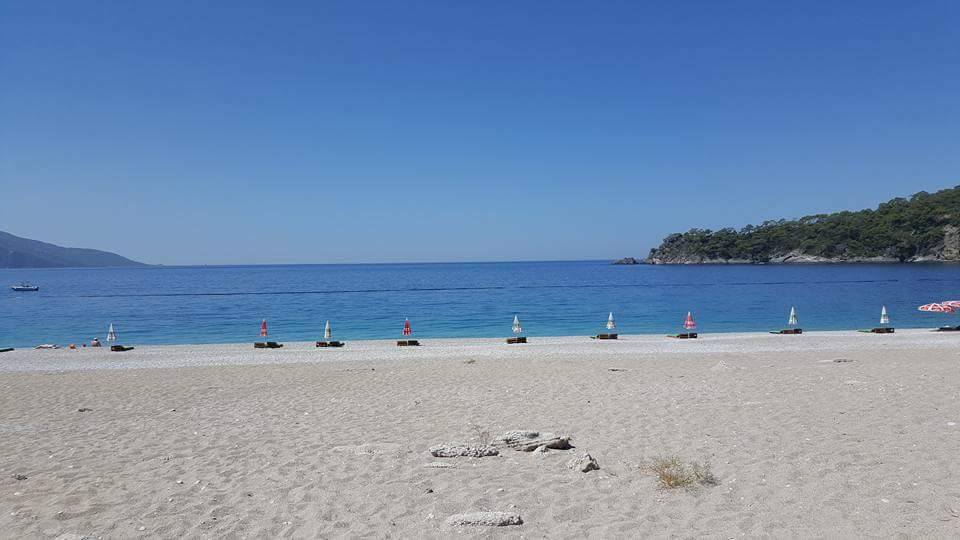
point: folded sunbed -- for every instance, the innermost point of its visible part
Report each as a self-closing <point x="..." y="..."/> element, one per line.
<point x="688" y="335"/>
<point x="120" y="348"/>
<point x="881" y="330"/>
<point x="604" y="336"/>
<point x="512" y="340"/>
<point x="948" y="329"/>
<point x="329" y="344"/>
<point x="408" y="343"/>
<point x="6" y="350"/>
<point x="267" y="345"/>
<point x="788" y="331"/>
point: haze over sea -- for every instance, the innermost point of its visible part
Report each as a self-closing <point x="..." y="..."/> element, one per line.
<point x="177" y="305"/>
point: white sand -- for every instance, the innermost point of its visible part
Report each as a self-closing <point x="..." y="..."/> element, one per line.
<point x="334" y="442"/>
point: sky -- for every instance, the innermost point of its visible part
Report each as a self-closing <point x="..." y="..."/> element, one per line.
<point x="238" y="132"/>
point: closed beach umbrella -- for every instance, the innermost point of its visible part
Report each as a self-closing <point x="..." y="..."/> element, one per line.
<point x="610" y="324"/>
<point x="111" y="335"/>
<point x="263" y="328"/>
<point x="688" y="322"/>
<point x="793" y="317"/>
<point x="327" y="333"/>
<point x="937" y="308"/>
<point x="406" y="327"/>
<point x="884" y="316"/>
<point x="516" y="325"/>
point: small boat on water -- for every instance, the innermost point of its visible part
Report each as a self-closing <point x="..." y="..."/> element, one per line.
<point x="25" y="287"/>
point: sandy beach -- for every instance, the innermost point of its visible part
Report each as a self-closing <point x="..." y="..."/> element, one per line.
<point x="824" y="434"/>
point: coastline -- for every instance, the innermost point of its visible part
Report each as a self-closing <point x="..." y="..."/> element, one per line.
<point x="454" y="349"/>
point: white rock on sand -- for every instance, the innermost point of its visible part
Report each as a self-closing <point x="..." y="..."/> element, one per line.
<point x="463" y="450"/>
<point x="485" y="519"/>
<point x="584" y="463"/>
<point x="526" y="440"/>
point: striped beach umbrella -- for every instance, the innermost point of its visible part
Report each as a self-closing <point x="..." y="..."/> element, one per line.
<point x="688" y="322"/>
<point x="327" y="333"/>
<point x="111" y="334"/>
<point x="884" y="316"/>
<point x="936" y="308"/>
<point x="406" y="327"/>
<point x="263" y="328"/>
<point x="792" y="321"/>
<point x="610" y="324"/>
<point x="516" y="325"/>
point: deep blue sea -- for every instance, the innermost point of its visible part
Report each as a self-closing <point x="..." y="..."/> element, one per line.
<point x="158" y="305"/>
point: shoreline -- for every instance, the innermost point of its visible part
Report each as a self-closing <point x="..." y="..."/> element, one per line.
<point x="304" y="352"/>
<point x="909" y="326"/>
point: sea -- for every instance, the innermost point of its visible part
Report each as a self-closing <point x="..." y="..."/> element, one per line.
<point x="225" y="304"/>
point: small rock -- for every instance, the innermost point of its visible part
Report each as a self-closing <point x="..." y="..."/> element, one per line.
<point x="617" y="369"/>
<point x="429" y="491"/>
<point x="142" y="528"/>
<point x="179" y="481"/>
<point x="542" y="449"/>
<point x="462" y="450"/>
<point x="584" y="463"/>
<point x="20" y="477"/>
<point x="485" y="519"/>
<point x="440" y="465"/>
<point x="84" y="409"/>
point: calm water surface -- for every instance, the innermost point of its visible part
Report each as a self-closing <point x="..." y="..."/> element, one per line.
<point x="225" y="304"/>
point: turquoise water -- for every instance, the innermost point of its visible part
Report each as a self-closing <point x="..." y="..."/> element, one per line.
<point x="225" y="304"/>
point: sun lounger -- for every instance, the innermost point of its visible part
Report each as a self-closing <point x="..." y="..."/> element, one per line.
<point x="881" y="330"/>
<point x="267" y="345"/>
<point x="604" y="336"/>
<point x="688" y="335"/>
<point x="512" y="340"/>
<point x="788" y="331"/>
<point x="6" y="350"/>
<point x="408" y="343"/>
<point x="120" y="348"/>
<point x="329" y="344"/>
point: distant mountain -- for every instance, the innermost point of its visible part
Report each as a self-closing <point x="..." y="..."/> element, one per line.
<point x="923" y="228"/>
<point x="16" y="252"/>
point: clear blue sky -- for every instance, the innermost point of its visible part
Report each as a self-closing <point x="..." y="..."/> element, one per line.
<point x="261" y="132"/>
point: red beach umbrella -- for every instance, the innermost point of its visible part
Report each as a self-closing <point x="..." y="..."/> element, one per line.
<point x="937" y="308"/>
<point x="688" y="322"/>
<point x="263" y="328"/>
<point x="406" y="327"/>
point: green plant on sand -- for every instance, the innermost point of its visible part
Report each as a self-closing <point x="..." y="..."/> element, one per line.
<point x="673" y="473"/>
